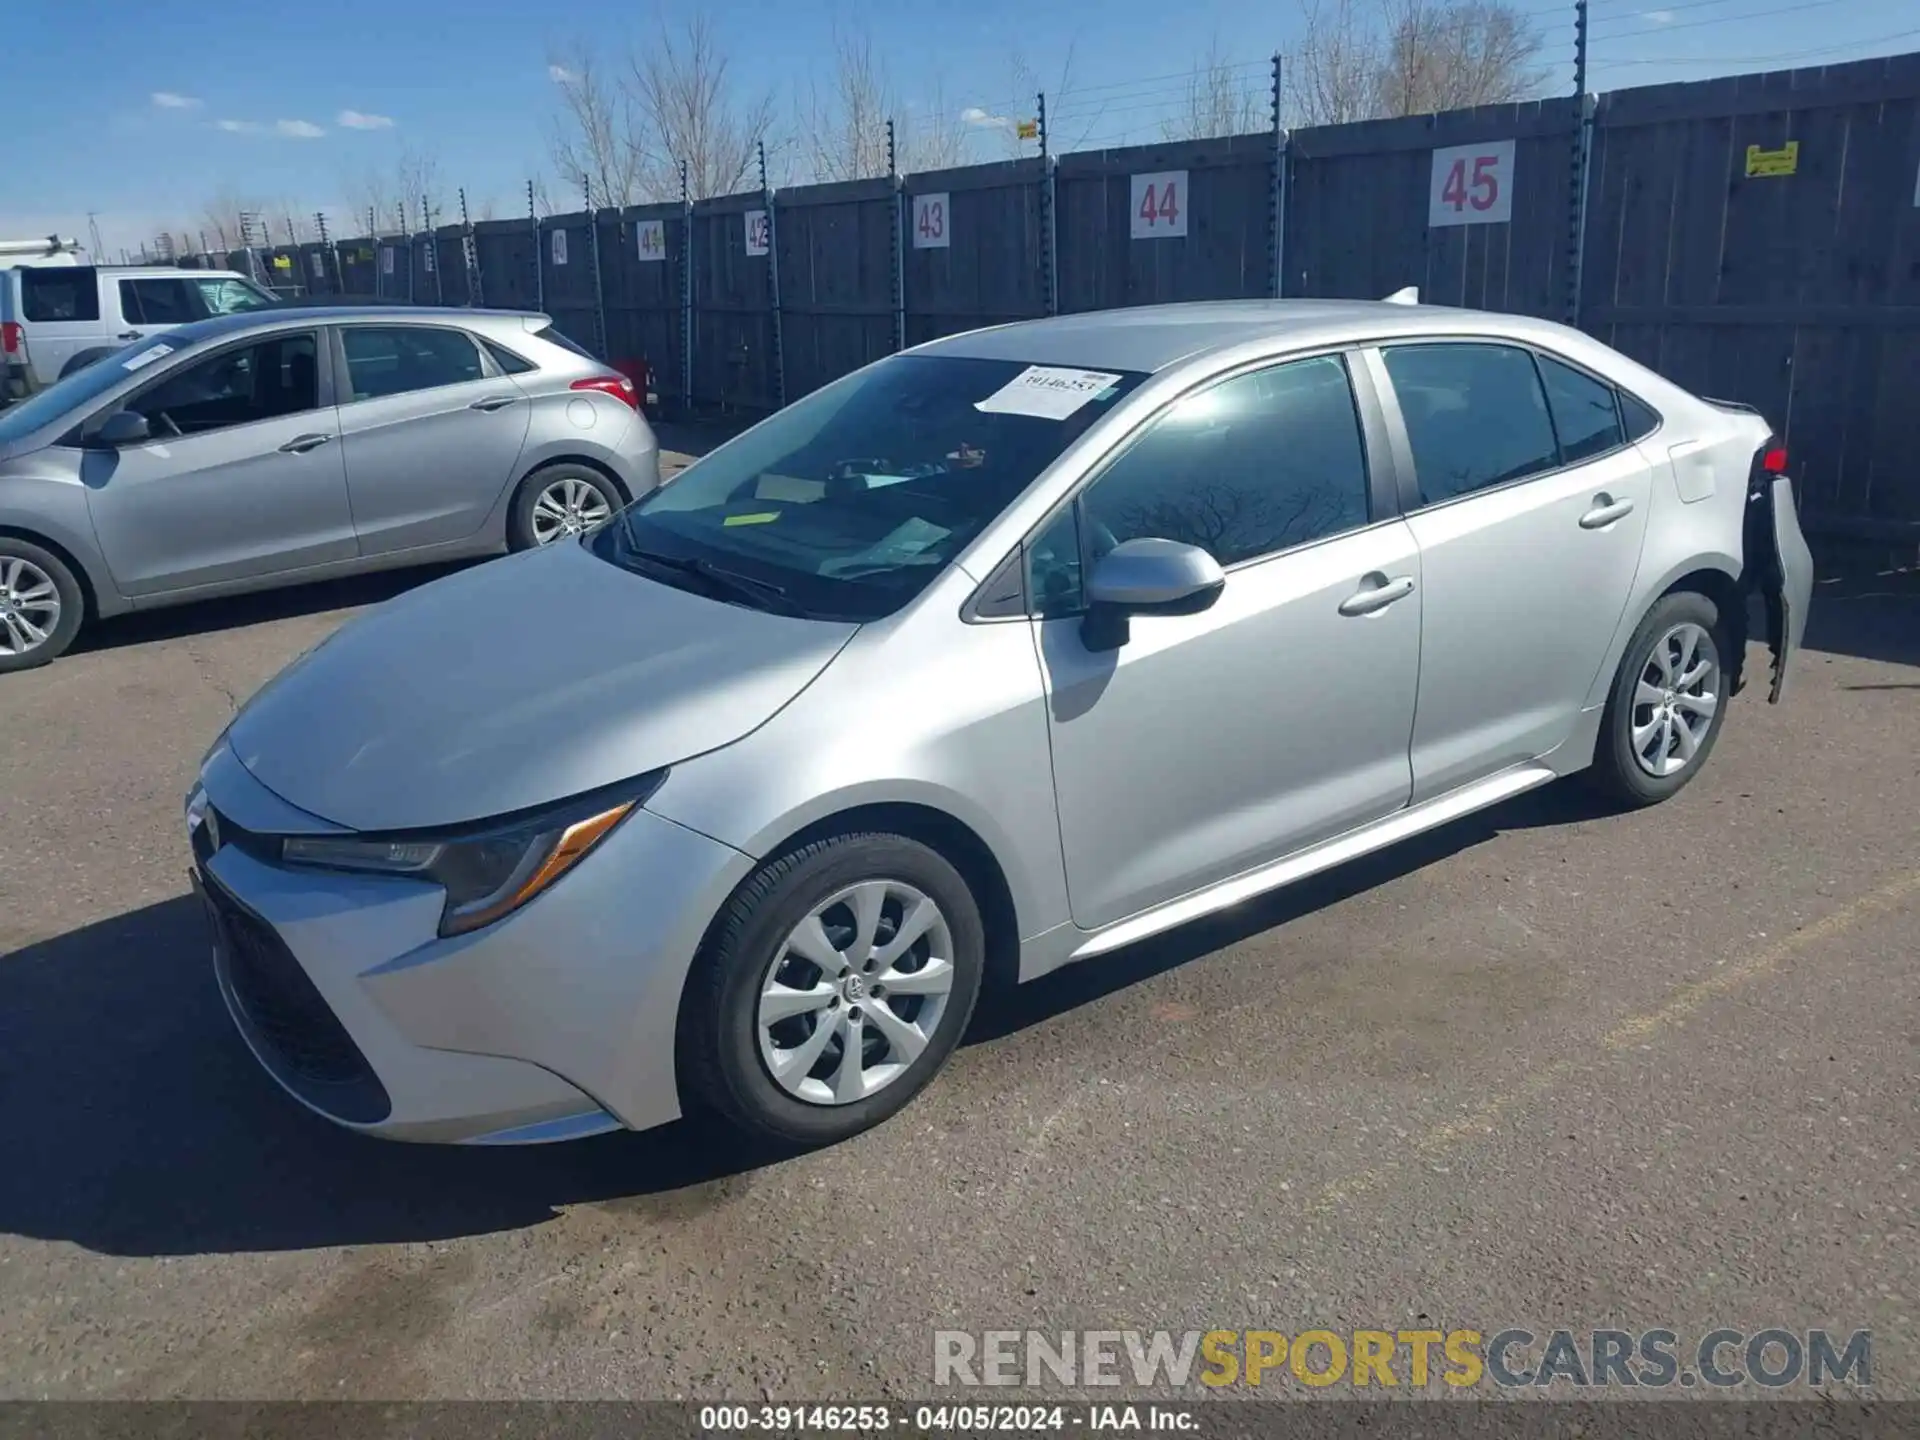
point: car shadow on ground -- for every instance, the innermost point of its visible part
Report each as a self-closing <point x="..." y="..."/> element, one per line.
<point x="137" y="1123"/>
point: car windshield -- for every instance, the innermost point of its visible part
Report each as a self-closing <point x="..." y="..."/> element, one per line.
<point x="72" y="393"/>
<point x="849" y="502"/>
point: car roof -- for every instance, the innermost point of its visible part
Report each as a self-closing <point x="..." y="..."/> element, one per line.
<point x="1154" y="337"/>
<point x="281" y="315"/>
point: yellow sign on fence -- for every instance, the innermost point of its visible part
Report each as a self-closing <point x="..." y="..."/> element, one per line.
<point x="1028" y="130"/>
<point x="1783" y="161"/>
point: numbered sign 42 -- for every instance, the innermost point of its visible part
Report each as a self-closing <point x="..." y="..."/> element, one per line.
<point x="1472" y="185"/>
<point x="650" y="239"/>
<point x="386" y="260"/>
<point x="1159" y="205"/>
<point x="930" y="223"/>
<point x="319" y="266"/>
<point x="759" y="232"/>
<point x="559" y="247"/>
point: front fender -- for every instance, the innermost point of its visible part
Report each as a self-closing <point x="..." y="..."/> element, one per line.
<point x="56" y="511"/>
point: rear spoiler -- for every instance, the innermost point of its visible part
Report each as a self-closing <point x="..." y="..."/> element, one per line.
<point x="1736" y="407"/>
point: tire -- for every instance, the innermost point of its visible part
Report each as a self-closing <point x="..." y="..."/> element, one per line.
<point x="81" y="361"/>
<point x="728" y="1050"/>
<point x="1626" y="770"/>
<point x="579" y="498"/>
<point x="37" y="593"/>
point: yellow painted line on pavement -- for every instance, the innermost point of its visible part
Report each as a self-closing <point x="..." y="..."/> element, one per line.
<point x="1681" y="1003"/>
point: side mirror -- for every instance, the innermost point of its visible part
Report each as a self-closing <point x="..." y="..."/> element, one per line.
<point x="123" y="427"/>
<point x="1147" y="577"/>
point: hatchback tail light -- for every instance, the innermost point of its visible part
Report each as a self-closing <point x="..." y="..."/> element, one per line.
<point x="1774" y="460"/>
<point x="618" y="386"/>
<point x="11" y="337"/>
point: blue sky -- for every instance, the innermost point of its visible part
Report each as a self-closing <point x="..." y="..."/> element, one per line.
<point x="144" y="112"/>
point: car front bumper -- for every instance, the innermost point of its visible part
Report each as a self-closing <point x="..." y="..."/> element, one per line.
<point x="555" y="1022"/>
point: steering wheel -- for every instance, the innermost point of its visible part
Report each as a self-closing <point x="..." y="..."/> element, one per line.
<point x="173" y="430"/>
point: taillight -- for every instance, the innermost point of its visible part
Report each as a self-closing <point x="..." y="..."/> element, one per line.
<point x="618" y="386"/>
<point x="1774" y="460"/>
<point x="10" y="336"/>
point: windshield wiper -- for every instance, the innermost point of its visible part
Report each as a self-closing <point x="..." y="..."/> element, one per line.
<point x="760" y="594"/>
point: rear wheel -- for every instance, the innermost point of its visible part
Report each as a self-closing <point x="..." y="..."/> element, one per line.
<point x="558" y="501"/>
<point x="41" y="606"/>
<point x="1668" y="703"/>
<point x="837" y="982"/>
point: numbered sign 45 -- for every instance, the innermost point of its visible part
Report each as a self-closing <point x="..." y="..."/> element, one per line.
<point x="930" y="223"/>
<point x="1159" y="205"/>
<point x="650" y="239"/>
<point x="759" y="232"/>
<point x="1472" y="185"/>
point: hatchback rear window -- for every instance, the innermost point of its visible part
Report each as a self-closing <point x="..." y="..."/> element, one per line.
<point x="554" y="337"/>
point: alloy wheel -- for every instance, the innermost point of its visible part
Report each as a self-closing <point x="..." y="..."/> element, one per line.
<point x="29" y="606"/>
<point x="854" y="994"/>
<point x="1674" y="700"/>
<point x="569" y="506"/>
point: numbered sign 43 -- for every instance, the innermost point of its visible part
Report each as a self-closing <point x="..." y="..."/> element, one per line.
<point x="650" y="239"/>
<point x="930" y="223"/>
<point x="1472" y="185"/>
<point x="319" y="266"/>
<point x="1159" y="205"/>
<point x="428" y="258"/>
<point x="386" y="260"/>
<point x="759" y="233"/>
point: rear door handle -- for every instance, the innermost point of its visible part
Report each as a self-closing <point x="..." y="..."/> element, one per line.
<point x="300" y="444"/>
<point x="1378" y="595"/>
<point x="492" y="402"/>
<point x="1605" y="511"/>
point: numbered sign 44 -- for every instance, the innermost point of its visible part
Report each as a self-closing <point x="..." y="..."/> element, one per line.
<point x="650" y="239"/>
<point x="1159" y="205"/>
<point x="558" y="247"/>
<point x="930" y="223"/>
<point x="759" y="232"/>
<point x="1472" y="185"/>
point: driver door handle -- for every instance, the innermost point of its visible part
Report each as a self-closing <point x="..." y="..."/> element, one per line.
<point x="300" y="444"/>
<point x="1377" y="595"/>
<point x="1605" y="511"/>
<point x="492" y="403"/>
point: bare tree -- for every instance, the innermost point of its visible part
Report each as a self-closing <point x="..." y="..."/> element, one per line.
<point x="842" y="131"/>
<point x="371" y="194"/>
<point x="1220" y="100"/>
<point x="1362" y="59"/>
<point x="417" y="186"/>
<point x="688" y="112"/>
<point x="595" y="139"/>
<point x="223" y="215"/>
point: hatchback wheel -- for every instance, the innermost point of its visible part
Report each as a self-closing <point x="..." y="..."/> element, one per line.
<point x="1668" y="702"/>
<point x="40" y="605"/>
<point x="835" y="984"/>
<point x="559" y="501"/>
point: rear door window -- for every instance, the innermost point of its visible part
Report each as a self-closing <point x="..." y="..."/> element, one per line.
<point x="399" y="359"/>
<point x="1476" y="416"/>
<point x="51" y="296"/>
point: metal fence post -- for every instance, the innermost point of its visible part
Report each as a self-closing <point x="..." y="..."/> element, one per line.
<point x="1582" y="141"/>
<point x="1049" y="255"/>
<point x="469" y="253"/>
<point x="899" y="248"/>
<point x="686" y="292"/>
<point x="373" y="239"/>
<point x="433" y="252"/>
<point x="400" y="209"/>
<point x="1277" y="200"/>
<point x="600" y="344"/>
<point x="539" y="265"/>
<point x="773" y="285"/>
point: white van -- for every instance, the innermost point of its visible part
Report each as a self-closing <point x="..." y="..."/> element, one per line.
<point x="55" y="319"/>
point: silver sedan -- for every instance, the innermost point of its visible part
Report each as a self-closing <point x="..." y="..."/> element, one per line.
<point x="277" y="447"/>
<point x="995" y="656"/>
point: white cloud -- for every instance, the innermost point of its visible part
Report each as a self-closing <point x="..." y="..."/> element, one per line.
<point x="173" y="100"/>
<point x="298" y="129"/>
<point x="974" y="115"/>
<point x="561" y="75"/>
<point x="360" y="120"/>
<point x="238" y="127"/>
<point x="1659" y="17"/>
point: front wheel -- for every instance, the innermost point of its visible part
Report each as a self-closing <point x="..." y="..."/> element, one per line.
<point x="835" y="984"/>
<point x="1668" y="702"/>
<point x="40" y="605"/>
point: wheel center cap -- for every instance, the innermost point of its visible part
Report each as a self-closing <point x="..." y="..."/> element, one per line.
<point x="1669" y="699"/>
<point x="854" y="987"/>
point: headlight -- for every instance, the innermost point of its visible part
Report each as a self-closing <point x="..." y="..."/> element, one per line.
<point x="487" y="873"/>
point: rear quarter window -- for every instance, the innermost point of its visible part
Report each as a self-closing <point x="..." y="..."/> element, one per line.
<point x="1640" y="418"/>
<point x="51" y="296"/>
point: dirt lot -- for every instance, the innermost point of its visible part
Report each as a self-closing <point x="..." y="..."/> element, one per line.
<point x="1549" y="1066"/>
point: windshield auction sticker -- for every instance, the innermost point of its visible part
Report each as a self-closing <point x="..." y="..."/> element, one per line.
<point x="146" y="357"/>
<point x="1046" y="391"/>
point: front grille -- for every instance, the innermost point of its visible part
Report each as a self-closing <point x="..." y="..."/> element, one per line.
<point x="292" y="1027"/>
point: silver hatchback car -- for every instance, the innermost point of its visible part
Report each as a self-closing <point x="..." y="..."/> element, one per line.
<point x="282" y="446"/>
<point x="996" y="655"/>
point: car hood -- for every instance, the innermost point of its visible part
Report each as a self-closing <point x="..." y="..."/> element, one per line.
<point x="516" y="683"/>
